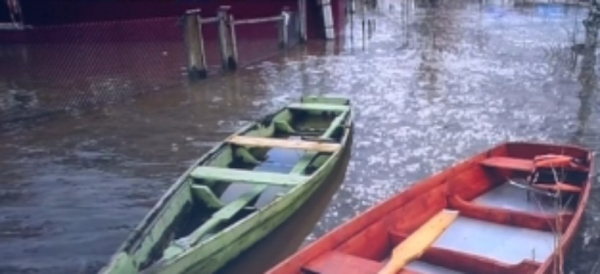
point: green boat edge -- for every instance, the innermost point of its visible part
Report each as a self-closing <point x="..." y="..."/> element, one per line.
<point x="214" y="252"/>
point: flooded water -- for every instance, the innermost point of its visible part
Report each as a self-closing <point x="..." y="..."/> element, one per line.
<point x="431" y="85"/>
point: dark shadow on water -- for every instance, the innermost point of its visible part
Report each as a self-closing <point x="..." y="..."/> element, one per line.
<point x="288" y="237"/>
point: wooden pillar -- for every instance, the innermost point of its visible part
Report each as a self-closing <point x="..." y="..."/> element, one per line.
<point x="233" y="60"/>
<point x="227" y="60"/>
<point x="302" y="19"/>
<point x="196" y="58"/>
<point x="283" y="28"/>
<point x="328" y="19"/>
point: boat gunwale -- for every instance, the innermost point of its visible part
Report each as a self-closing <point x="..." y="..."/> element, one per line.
<point x="340" y="234"/>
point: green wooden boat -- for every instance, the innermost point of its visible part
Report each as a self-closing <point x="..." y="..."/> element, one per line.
<point x="239" y="191"/>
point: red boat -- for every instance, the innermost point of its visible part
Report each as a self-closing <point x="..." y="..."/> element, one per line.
<point x="512" y="209"/>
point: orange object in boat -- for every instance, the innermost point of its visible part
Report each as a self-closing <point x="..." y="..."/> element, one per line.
<point x="497" y="229"/>
<point x="562" y="187"/>
<point x="555" y="161"/>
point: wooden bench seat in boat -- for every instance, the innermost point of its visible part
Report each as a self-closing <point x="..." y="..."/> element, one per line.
<point x="319" y="107"/>
<point x="282" y="143"/>
<point x="246" y="176"/>
<point x="524" y="165"/>
<point x="509" y="163"/>
<point x="337" y="262"/>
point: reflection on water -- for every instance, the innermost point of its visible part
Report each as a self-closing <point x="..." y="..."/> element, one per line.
<point x="430" y="86"/>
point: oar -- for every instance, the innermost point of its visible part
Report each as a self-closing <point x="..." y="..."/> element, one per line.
<point x="415" y="245"/>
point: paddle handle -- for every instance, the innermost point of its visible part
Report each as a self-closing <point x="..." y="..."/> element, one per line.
<point x="396" y="264"/>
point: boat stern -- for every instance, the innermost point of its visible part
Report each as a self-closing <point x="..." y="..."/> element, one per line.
<point x="331" y="100"/>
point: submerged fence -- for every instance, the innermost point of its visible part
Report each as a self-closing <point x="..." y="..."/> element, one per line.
<point x="69" y="67"/>
<point x="288" y="27"/>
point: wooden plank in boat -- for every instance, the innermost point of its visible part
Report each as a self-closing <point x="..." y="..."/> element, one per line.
<point x="234" y="207"/>
<point x="337" y="262"/>
<point x="222" y="215"/>
<point x="281" y="143"/>
<point x="419" y="241"/>
<point x="246" y="176"/>
<point x="508" y="163"/>
<point x="206" y="194"/>
<point x="319" y="107"/>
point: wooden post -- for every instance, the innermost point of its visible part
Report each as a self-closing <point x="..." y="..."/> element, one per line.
<point x="233" y="59"/>
<point x="283" y="28"/>
<point x="302" y="20"/>
<point x="196" y="59"/>
<point x="223" y="37"/>
<point x="328" y="19"/>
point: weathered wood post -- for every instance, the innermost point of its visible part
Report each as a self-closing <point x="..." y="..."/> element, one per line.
<point x="227" y="61"/>
<point x="196" y="58"/>
<point x="233" y="60"/>
<point x="302" y="20"/>
<point x="328" y="19"/>
<point x="283" y="28"/>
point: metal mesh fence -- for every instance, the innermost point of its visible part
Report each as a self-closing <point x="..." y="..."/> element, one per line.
<point x="78" y="66"/>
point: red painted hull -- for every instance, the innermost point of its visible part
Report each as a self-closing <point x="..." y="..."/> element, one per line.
<point x="363" y="244"/>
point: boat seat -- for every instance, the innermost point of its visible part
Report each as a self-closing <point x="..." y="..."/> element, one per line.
<point x="337" y="262"/>
<point x="509" y="163"/>
<point x="525" y="165"/>
<point x="205" y="194"/>
<point x="319" y="107"/>
<point x="246" y="176"/>
<point x="283" y="143"/>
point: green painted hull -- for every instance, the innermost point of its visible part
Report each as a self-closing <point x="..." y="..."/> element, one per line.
<point x="212" y="251"/>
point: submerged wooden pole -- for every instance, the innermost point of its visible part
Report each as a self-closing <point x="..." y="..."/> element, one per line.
<point x="233" y="59"/>
<point x="302" y="20"/>
<point x="226" y="59"/>
<point x="196" y="58"/>
<point x="328" y="19"/>
<point x="283" y="28"/>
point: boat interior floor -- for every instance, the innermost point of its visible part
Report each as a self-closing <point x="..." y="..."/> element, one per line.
<point x="420" y="266"/>
<point x="503" y="243"/>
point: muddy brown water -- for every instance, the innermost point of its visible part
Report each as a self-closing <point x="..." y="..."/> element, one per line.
<point x="430" y="85"/>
